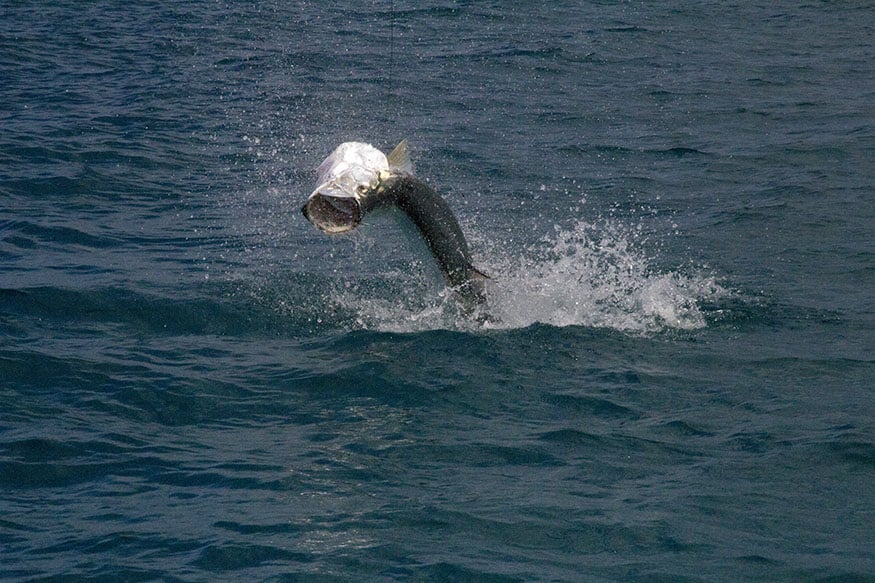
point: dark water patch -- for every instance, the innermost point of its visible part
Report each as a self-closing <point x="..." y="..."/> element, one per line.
<point x="482" y="455"/>
<point x="747" y="310"/>
<point x="615" y="152"/>
<point x="627" y="29"/>
<point x="37" y="450"/>
<point x="760" y="561"/>
<point x="52" y="473"/>
<point x="681" y="152"/>
<point x="527" y="539"/>
<point x="365" y="362"/>
<point x="401" y="14"/>
<point x="30" y="369"/>
<point x="170" y="387"/>
<point x="574" y="437"/>
<point x="234" y="557"/>
<point x="54" y="186"/>
<point x="260" y="529"/>
<point x="127" y="554"/>
<point x="199" y="482"/>
<point x="684" y="429"/>
<point x="591" y="406"/>
<point x="443" y="571"/>
<point x="34" y="235"/>
<point x="139" y="312"/>
<point x="349" y="379"/>
<point x="859" y="453"/>
<point x="145" y="395"/>
<point x="755" y="442"/>
<point x="861" y="576"/>
<point x="637" y="443"/>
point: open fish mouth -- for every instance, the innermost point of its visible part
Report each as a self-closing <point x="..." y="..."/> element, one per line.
<point x="332" y="213"/>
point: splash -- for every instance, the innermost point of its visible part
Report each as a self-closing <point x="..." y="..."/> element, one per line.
<point x="594" y="276"/>
<point x="585" y="275"/>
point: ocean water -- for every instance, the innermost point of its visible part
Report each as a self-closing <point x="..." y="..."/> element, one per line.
<point x="675" y="205"/>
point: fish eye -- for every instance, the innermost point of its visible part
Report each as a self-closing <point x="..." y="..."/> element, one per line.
<point x="361" y="188"/>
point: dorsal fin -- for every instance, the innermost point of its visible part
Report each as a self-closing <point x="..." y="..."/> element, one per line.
<point x="479" y="274"/>
<point x="399" y="159"/>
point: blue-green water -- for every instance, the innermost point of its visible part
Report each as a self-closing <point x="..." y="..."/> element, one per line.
<point x="676" y="208"/>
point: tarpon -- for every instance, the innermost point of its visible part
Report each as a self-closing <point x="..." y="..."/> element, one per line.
<point x="357" y="178"/>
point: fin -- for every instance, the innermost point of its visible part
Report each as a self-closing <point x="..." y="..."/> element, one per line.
<point x="399" y="159"/>
<point x="479" y="274"/>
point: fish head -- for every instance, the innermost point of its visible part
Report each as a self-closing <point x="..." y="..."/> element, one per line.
<point x="347" y="176"/>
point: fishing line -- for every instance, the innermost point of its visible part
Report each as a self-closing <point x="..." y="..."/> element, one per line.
<point x="391" y="60"/>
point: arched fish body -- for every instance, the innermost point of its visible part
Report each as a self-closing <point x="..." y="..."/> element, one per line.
<point x="358" y="178"/>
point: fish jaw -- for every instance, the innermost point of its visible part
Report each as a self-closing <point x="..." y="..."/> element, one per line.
<point x="333" y="214"/>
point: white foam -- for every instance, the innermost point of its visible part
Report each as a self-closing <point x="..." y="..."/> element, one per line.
<point x="585" y="275"/>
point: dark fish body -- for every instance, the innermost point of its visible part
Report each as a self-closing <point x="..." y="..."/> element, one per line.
<point x="438" y="227"/>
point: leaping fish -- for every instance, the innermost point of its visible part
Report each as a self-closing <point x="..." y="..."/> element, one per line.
<point x="357" y="178"/>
